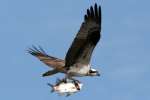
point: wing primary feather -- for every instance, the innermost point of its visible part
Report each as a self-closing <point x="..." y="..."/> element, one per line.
<point x="92" y="11"/>
<point x="88" y="13"/>
<point x="35" y="51"/>
<point x="85" y="17"/>
<point x="99" y="14"/>
<point x="96" y="12"/>
<point x="35" y="48"/>
<point x="41" y="49"/>
<point x="31" y="51"/>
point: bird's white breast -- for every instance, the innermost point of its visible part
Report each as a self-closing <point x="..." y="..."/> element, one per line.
<point x="79" y="70"/>
<point x="84" y="69"/>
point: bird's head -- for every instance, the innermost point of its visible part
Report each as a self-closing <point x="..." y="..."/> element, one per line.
<point x="93" y="72"/>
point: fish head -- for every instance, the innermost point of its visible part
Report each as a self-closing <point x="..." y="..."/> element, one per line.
<point x="78" y="86"/>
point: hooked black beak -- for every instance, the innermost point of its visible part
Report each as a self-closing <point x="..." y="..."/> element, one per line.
<point x="98" y="74"/>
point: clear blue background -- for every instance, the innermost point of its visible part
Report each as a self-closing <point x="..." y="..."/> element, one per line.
<point x="122" y="56"/>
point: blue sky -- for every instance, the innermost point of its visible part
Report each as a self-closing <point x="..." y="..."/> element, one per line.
<point x="122" y="55"/>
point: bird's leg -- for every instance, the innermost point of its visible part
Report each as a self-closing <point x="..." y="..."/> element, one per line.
<point x="74" y="80"/>
<point x="68" y="77"/>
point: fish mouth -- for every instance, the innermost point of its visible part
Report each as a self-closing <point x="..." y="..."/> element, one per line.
<point x="78" y="88"/>
<point x="77" y="85"/>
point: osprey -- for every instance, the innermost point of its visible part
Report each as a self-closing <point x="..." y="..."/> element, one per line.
<point x="77" y="60"/>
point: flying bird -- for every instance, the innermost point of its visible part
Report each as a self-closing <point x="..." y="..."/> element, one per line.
<point x="77" y="59"/>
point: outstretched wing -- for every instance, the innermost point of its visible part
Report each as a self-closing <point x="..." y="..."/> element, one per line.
<point x="86" y="39"/>
<point x="46" y="59"/>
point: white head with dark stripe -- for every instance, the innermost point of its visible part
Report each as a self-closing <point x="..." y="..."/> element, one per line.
<point x="93" y="72"/>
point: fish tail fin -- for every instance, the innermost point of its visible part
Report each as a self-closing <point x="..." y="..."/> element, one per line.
<point x="52" y="86"/>
<point x="58" y="80"/>
<point x="68" y="94"/>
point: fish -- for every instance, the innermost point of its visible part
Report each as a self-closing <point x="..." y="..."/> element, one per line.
<point x="66" y="87"/>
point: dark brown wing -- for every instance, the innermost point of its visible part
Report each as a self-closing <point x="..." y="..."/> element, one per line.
<point x="86" y="39"/>
<point x="50" y="72"/>
<point x="46" y="59"/>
